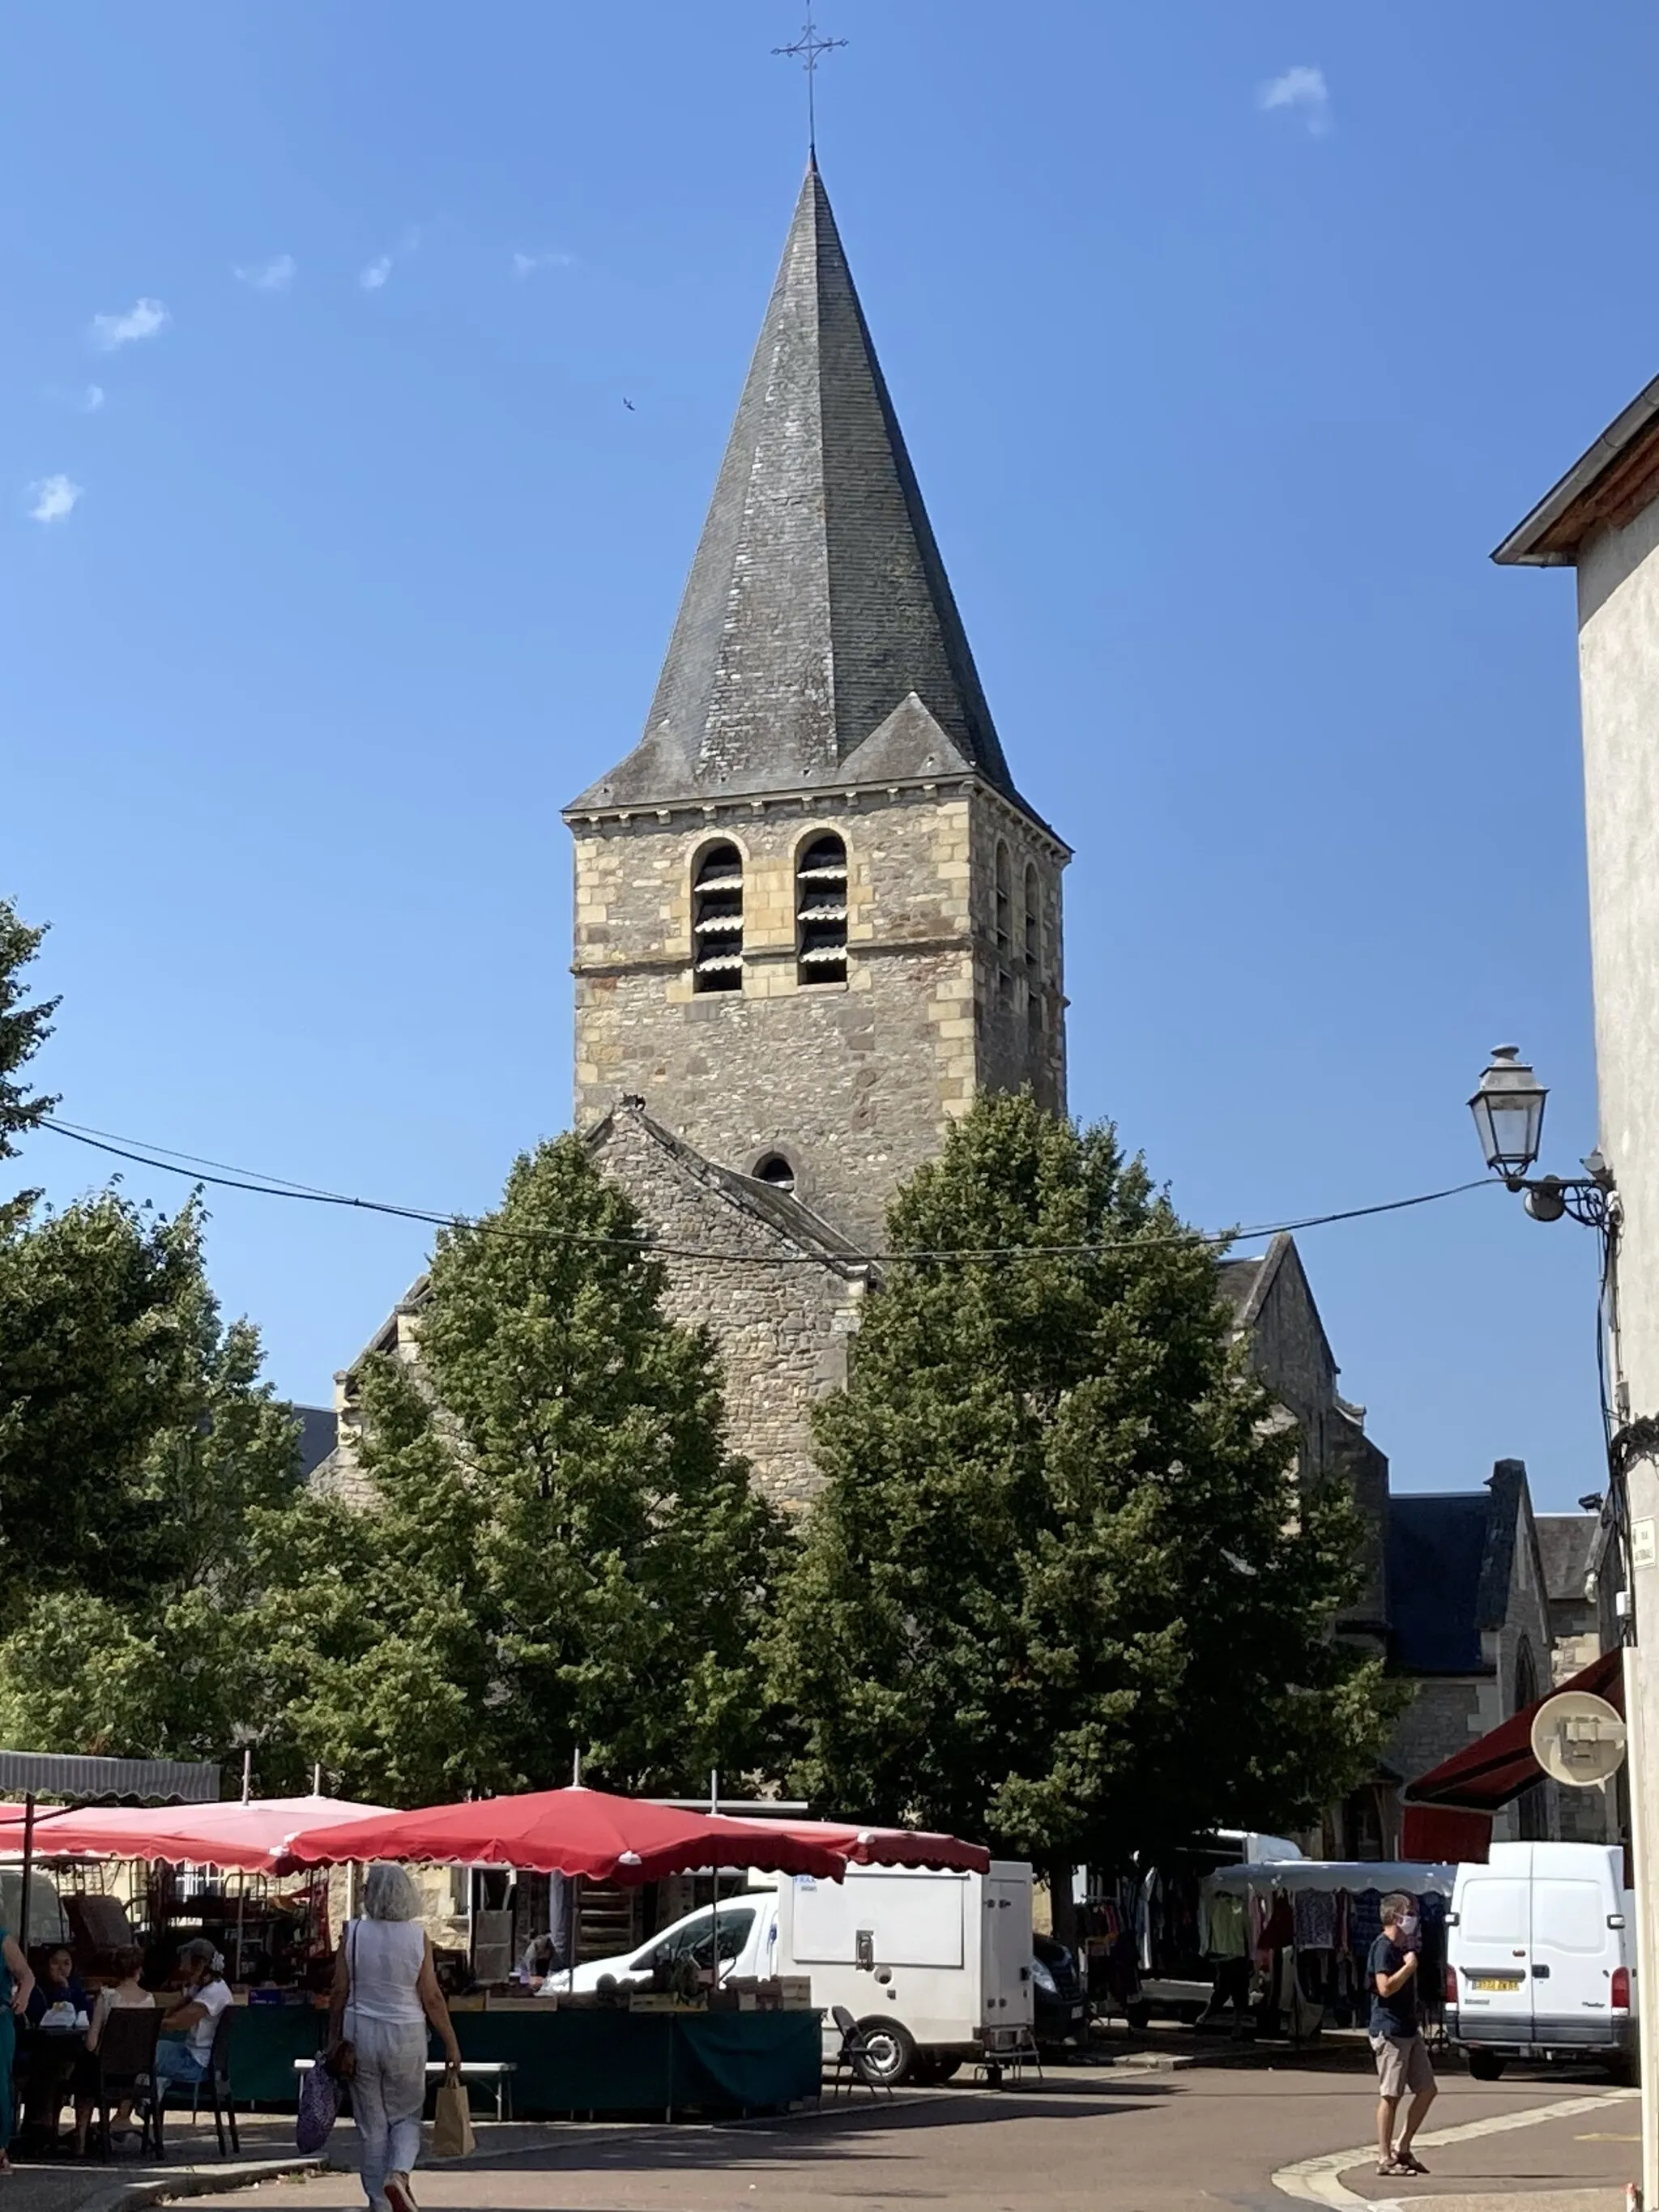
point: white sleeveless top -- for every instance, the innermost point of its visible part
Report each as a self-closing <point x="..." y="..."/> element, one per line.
<point x="383" y="1958"/>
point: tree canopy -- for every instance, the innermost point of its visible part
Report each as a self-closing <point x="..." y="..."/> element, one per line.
<point x="1063" y="1588"/>
<point x="24" y="1027"/>
<point x="561" y="1554"/>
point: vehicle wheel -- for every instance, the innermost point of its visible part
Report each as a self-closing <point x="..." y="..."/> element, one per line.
<point x="891" y="2053"/>
<point x="1139" y="2016"/>
<point x="1486" y="2065"/>
<point x="1624" y="2072"/>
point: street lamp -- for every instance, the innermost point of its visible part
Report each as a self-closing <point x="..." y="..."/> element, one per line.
<point x="1508" y="1107"/>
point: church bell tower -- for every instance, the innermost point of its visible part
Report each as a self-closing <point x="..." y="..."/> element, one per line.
<point x="814" y="916"/>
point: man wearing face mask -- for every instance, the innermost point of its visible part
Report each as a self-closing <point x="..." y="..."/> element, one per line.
<point x="1403" y="2058"/>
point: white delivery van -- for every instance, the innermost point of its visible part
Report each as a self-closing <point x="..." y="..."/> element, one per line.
<point x="935" y="1965"/>
<point x="1540" y="1958"/>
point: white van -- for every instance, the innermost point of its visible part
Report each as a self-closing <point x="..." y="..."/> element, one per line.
<point x="1540" y="1958"/>
<point x="934" y="1965"/>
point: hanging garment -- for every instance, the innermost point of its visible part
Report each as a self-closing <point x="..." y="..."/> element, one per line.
<point x="1367" y="1921"/>
<point x="1315" y="1914"/>
<point x="1227" y="1935"/>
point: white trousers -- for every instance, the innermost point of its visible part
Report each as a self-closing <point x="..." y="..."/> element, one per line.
<point x="388" y="2093"/>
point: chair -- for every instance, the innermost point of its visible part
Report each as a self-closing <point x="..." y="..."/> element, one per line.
<point x="215" y="2083"/>
<point x="122" y="2071"/>
<point x="853" y="2055"/>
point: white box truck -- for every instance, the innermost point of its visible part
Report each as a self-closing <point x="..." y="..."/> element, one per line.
<point x="935" y="1965"/>
<point x="1540" y="1958"/>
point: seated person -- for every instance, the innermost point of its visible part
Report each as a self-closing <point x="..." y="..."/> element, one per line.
<point x="59" y="1985"/>
<point x="127" y="1993"/>
<point x="57" y="2003"/>
<point x="188" y="2029"/>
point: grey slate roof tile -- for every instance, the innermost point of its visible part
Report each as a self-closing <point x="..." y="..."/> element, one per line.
<point x="817" y="603"/>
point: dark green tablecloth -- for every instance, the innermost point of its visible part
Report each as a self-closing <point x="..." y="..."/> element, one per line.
<point x="580" y="2062"/>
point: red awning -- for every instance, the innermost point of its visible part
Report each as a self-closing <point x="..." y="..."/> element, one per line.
<point x="244" y="1838"/>
<point x="569" y="1832"/>
<point x="1500" y="1765"/>
<point x="900" y="1847"/>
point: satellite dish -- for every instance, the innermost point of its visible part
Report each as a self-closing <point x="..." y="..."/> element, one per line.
<point x="1578" y="1738"/>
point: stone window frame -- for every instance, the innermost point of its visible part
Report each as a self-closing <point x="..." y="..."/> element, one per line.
<point x="1031" y="934"/>
<point x="1002" y="915"/>
<point x="697" y="893"/>
<point x="834" y="976"/>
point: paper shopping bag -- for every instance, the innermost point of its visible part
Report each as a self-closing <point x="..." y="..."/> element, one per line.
<point x="452" y="2121"/>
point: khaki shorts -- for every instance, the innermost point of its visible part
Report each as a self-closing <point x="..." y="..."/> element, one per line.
<point x="1402" y="2065"/>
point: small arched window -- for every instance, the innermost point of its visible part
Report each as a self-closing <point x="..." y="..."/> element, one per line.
<point x="776" y="1171"/>
<point x="717" y="920"/>
<point x="1004" y="923"/>
<point x="821" y="911"/>
<point x="1033" y="921"/>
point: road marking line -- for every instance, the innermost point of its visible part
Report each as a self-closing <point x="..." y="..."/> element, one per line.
<point x="1318" y="2180"/>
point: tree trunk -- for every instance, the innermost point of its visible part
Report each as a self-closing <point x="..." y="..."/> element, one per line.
<point x="1057" y="1872"/>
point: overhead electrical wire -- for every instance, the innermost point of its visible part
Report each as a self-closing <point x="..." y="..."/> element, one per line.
<point x="219" y="1175"/>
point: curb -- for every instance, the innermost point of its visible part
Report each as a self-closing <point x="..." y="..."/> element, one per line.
<point x="1318" y="2180"/>
<point x="202" y="2181"/>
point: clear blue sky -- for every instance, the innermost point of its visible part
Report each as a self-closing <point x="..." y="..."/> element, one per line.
<point x="1218" y="407"/>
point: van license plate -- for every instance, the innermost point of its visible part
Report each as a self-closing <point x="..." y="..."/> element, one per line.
<point x="1493" y="1981"/>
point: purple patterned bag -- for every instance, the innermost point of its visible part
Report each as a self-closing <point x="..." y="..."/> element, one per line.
<point x="319" y="2107"/>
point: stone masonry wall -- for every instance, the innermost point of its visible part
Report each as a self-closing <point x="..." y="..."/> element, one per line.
<point x="783" y="1332"/>
<point x="854" y="1083"/>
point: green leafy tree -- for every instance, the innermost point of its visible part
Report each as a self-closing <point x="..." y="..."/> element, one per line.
<point x="562" y="1555"/>
<point x="1062" y="1589"/>
<point x="24" y="1028"/>
<point x="138" y="1448"/>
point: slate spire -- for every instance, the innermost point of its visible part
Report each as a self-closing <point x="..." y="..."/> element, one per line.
<point x="817" y="604"/>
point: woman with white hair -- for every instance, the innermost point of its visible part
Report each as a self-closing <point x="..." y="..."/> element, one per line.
<point x="385" y="1991"/>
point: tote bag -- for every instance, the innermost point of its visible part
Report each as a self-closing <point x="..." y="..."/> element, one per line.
<point x="452" y="2121"/>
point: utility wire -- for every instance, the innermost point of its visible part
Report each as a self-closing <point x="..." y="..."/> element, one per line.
<point x="247" y="1179"/>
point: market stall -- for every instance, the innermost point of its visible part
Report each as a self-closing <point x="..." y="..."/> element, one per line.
<point x="728" y="2048"/>
<point x="1289" y="1938"/>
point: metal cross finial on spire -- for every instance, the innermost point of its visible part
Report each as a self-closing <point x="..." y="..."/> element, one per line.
<point x="809" y="46"/>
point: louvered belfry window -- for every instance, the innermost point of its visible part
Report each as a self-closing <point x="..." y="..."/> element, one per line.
<point x="821" y="912"/>
<point x="717" y="920"/>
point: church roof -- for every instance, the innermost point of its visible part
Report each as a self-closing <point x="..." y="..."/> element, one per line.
<point x="818" y="615"/>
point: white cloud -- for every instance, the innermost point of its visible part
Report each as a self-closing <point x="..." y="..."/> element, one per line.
<point x="142" y="321"/>
<point x="526" y="265"/>
<point x="91" y="399"/>
<point x="1305" y="92"/>
<point x="53" y="499"/>
<point x="374" y="276"/>
<point x="273" y="275"/>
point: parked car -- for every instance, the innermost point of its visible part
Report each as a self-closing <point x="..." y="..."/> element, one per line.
<point x="1060" y="2008"/>
<point x="1541" y="1959"/>
<point x="936" y="1966"/>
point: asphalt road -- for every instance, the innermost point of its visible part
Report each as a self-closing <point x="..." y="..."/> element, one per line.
<point x="1084" y="2139"/>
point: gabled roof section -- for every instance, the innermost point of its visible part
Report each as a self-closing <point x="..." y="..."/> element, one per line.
<point x="776" y="1211"/>
<point x="817" y="604"/>
<point x="1612" y="482"/>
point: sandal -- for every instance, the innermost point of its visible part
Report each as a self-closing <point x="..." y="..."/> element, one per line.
<point x="1410" y="2162"/>
<point x="1392" y="2169"/>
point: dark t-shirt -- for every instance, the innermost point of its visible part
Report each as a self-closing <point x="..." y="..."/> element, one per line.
<point x="1395" y="2016"/>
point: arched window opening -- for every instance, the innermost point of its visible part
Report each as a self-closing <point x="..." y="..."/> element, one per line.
<point x="776" y="1171"/>
<point x="1004" y="924"/>
<point x="821" y="912"/>
<point x="1033" y="921"/>
<point x="717" y="920"/>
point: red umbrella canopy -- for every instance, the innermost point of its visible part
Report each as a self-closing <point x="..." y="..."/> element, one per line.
<point x="901" y="1847"/>
<point x="241" y="1837"/>
<point x="569" y="1832"/>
